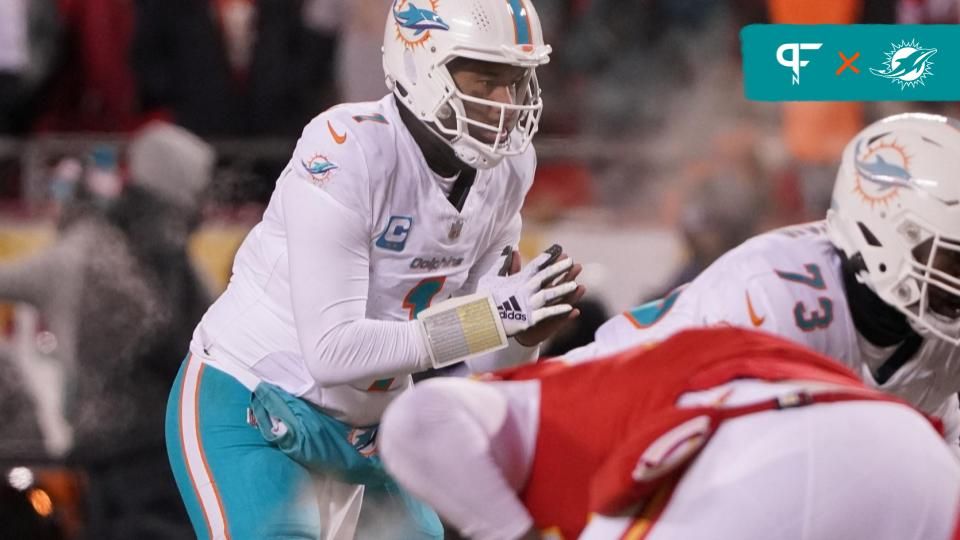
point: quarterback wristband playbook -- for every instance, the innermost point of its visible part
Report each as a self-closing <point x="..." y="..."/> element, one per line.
<point x="461" y="328"/>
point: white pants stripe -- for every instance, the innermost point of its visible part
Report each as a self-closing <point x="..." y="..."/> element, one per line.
<point x="197" y="466"/>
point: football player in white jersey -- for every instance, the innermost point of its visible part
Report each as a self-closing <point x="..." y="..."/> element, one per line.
<point x="874" y="286"/>
<point x="387" y="248"/>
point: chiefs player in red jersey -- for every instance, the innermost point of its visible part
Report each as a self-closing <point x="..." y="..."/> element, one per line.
<point x="714" y="434"/>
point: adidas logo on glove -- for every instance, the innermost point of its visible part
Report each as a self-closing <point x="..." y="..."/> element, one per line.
<point x="511" y="311"/>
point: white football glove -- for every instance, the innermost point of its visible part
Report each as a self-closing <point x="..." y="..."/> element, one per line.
<point x="524" y="299"/>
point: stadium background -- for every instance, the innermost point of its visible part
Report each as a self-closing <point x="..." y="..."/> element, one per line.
<point x="651" y="162"/>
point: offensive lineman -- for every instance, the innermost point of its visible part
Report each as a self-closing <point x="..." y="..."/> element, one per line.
<point x="875" y="285"/>
<point x="717" y="433"/>
<point x="385" y="211"/>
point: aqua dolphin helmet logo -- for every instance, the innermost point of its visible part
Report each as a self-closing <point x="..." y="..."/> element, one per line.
<point x="882" y="168"/>
<point x="907" y="64"/>
<point x="414" y="23"/>
<point x="419" y="20"/>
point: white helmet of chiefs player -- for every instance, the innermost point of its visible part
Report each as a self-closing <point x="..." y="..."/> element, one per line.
<point x="896" y="206"/>
<point x="423" y="37"/>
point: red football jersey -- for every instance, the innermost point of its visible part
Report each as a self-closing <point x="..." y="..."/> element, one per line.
<point x="598" y="418"/>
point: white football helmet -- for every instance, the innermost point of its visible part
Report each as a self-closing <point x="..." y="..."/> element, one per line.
<point x="423" y="36"/>
<point x="896" y="205"/>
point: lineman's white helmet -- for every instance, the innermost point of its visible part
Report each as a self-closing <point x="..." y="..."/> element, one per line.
<point x="896" y="205"/>
<point x="422" y="36"/>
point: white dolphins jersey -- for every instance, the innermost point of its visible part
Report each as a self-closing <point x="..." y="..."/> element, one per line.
<point x="358" y="237"/>
<point x="788" y="282"/>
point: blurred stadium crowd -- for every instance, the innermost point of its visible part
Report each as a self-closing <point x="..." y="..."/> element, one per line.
<point x="131" y="128"/>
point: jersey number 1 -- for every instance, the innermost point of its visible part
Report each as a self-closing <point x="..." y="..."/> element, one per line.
<point x="417" y="300"/>
<point x="421" y="295"/>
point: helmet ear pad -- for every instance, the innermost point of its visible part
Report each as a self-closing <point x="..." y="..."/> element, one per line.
<point x="410" y="66"/>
